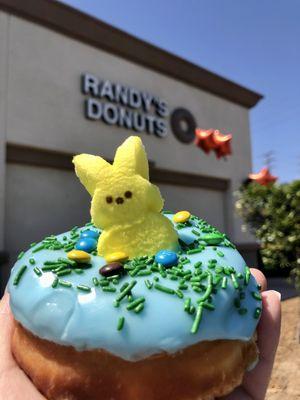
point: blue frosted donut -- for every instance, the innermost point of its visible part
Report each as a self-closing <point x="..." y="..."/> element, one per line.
<point x="146" y="309"/>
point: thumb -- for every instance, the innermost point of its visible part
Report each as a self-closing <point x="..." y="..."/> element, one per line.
<point x="6" y="325"/>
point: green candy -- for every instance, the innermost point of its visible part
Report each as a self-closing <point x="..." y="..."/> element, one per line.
<point x="213" y="238"/>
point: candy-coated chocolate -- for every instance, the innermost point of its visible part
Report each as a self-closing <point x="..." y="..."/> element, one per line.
<point x="89" y="234"/>
<point x="117" y="256"/>
<point x="181" y="216"/>
<point x="87" y="244"/>
<point x="167" y="258"/>
<point x="213" y="238"/>
<point x="113" y="268"/>
<point x="79" y="256"/>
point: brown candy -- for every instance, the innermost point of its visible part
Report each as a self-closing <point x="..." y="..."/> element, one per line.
<point x="113" y="268"/>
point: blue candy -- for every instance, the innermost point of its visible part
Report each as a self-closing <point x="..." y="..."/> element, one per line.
<point x="167" y="258"/>
<point x="89" y="234"/>
<point x="87" y="244"/>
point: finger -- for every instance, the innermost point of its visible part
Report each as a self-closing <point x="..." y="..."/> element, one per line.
<point x="6" y="324"/>
<point x="256" y="381"/>
<point x="260" y="278"/>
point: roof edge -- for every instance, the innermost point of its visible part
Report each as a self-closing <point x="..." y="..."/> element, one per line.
<point x="76" y="24"/>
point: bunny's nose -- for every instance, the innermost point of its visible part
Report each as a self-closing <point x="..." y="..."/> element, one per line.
<point x="119" y="200"/>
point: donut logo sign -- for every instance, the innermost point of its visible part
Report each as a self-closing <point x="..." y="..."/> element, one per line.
<point x="127" y="107"/>
<point x="130" y="108"/>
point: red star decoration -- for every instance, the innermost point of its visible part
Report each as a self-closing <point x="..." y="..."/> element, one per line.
<point x="263" y="177"/>
<point x="214" y="140"/>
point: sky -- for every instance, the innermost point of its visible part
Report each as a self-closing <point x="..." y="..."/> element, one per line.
<point x="255" y="43"/>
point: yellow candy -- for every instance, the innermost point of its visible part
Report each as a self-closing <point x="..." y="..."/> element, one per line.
<point x="79" y="256"/>
<point x="125" y="205"/>
<point x="117" y="256"/>
<point x="181" y="216"/>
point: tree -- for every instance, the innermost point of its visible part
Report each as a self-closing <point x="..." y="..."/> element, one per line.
<point x="272" y="214"/>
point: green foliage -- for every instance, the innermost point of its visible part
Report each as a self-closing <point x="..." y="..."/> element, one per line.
<point x="272" y="213"/>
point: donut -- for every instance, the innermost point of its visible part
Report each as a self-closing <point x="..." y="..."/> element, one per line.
<point x="140" y="303"/>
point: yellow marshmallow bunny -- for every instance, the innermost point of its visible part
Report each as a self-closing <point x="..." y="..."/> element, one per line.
<point x="124" y="203"/>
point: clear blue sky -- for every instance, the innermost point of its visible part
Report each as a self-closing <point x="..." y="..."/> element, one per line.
<point x="255" y="43"/>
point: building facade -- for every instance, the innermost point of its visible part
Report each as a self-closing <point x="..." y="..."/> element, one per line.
<point x="71" y="84"/>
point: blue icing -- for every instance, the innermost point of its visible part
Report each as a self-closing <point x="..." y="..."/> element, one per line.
<point x="88" y="320"/>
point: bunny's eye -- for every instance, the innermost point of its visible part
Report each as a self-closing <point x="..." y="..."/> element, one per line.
<point x="109" y="199"/>
<point x="128" y="194"/>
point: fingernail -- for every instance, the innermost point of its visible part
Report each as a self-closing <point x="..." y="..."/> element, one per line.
<point x="278" y="294"/>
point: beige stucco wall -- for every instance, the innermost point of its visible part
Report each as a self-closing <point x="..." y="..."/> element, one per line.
<point x="44" y="109"/>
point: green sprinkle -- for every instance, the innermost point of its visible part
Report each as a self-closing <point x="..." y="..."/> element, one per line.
<point x="195" y="279"/>
<point x="195" y="232"/>
<point x="95" y="281"/>
<point x="139" y="308"/>
<point x="112" y="277"/>
<point x="179" y="294"/>
<point x="19" y="275"/>
<point x="33" y="244"/>
<point x="48" y="268"/>
<point x="78" y="270"/>
<point x="242" y="311"/>
<point x="60" y="267"/>
<point x="148" y="284"/>
<point x="192" y="310"/>
<point x="121" y="322"/>
<point x="220" y="253"/>
<point x="64" y="283"/>
<point x="247" y="276"/>
<point x="208" y="306"/>
<point x="126" y="291"/>
<point x="103" y="283"/>
<point x="257" y="313"/>
<point x="256" y="296"/>
<point x="21" y="255"/>
<point x="208" y="290"/>
<point x="52" y="263"/>
<point x="84" y="288"/>
<point x="64" y="272"/>
<point x="41" y="247"/>
<point x="55" y="282"/>
<point x="129" y="297"/>
<point x="37" y="271"/>
<point x="198" y="264"/>
<point x="164" y="289"/>
<point x="234" y="281"/>
<point x="156" y="278"/>
<point x="135" y="303"/>
<point x="183" y="286"/>
<point x="144" y="273"/>
<point x="240" y="275"/>
<point x="32" y="261"/>
<point x="67" y="261"/>
<point x="195" y="251"/>
<point x="197" y="319"/>
<point x="116" y="304"/>
<point x="187" y="304"/>
<point x="124" y="286"/>
<point x="109" y="289"/>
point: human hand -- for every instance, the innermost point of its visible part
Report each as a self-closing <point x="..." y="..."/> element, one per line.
<point x="256" y="382"/>
<point x="14" y="384"/>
